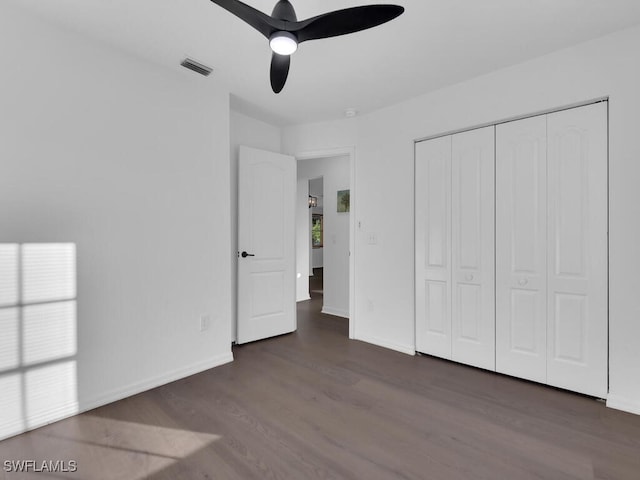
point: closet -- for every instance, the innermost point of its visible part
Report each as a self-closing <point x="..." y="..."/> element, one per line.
<point x="511" y="248"/>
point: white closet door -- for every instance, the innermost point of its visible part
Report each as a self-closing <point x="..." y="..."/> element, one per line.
<point x="577" y="250"/>
<point x="472" y="213"/>
<point x="521" y="244"/>
<point x="433" y="247"/>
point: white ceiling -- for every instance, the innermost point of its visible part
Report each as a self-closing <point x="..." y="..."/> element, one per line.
<point x="433" y="44"/>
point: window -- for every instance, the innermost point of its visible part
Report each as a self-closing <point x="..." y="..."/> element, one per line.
<point x="317" y="230"/>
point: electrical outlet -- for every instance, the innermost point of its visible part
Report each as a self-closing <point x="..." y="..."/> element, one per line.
<point x="205" y="322"/>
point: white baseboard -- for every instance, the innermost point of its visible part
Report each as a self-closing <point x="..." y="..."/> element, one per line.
<point x="39" y="419"/>
<point x="74" y="408"/>
<point x="408" y="349"/>
<point x="139" y="387"/>
<point x="624" y="404"/>
<point x="12" y="428"/>
<point x="303" y="299"/>
<point x="335" y="311"/>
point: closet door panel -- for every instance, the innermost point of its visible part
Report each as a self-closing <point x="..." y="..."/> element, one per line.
<point x="577" y="250"/>
<point x="472" y="213"/>
<point x="433" y="247"/>
<point x="521" y="264"/>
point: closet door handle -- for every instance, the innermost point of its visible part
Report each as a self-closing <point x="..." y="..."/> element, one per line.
<point x="245" y="255"/>
<point x="469" y="277"/>
<point x="523" y="282"/>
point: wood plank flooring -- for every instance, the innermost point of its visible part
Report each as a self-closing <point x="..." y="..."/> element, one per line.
<point x="315" y="405"/>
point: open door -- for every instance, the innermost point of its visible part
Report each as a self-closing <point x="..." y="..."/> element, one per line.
<point x="266" y="244"/>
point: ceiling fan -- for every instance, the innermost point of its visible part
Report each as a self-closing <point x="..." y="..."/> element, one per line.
<point x="285" y="32"/>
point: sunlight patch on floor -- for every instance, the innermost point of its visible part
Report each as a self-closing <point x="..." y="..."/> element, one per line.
<point x="113" y="449"/>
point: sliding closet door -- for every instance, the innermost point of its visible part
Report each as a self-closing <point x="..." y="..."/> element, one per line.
<point x="433" y="247"/>
<point x="577" y="250"/>
<point x="521" y="244"/>
<point x="472" y="213"/>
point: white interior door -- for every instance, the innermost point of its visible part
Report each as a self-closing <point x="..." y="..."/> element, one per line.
<point x="266" y="244"/>
<point x="577" y="250"/>
<point x="521" y="245"/>
<point x="472" y="227"/>
<point x="433" y="247"/>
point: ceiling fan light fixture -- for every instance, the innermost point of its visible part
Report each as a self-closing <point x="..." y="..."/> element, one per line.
<point x="285" y="32"/>
<point x="283" y="43"/>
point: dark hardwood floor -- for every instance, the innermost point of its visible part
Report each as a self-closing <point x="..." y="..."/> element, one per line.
<point x="316" y="281"/>
<point x="314" y="404"/>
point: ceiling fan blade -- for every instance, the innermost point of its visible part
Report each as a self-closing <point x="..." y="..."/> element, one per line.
<point x="262" y="22"/>
<point x="279" y="71"/>
<point x="342" y="22"/>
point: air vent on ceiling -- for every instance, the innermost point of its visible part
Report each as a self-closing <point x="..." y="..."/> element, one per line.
<point x="196" y="67"/>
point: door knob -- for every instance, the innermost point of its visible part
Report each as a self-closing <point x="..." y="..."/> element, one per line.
<point x="469" y="277"/>
<point x="523" y="282"/>
<point x="245" y="255"/>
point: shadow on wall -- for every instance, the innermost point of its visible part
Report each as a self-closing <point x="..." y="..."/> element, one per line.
<point x="38" y="335"/>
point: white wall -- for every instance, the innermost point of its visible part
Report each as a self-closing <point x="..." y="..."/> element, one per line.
<point x="336" y="176"/>
<point x="254" y="133"/>
<point x="130" y="162"/>
<point x="384" y="299"/>
<point x="317" y="258"/>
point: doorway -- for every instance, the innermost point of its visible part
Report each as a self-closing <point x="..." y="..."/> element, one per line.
<point x="325" y="273"/>
<point x="316" y="252"/>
